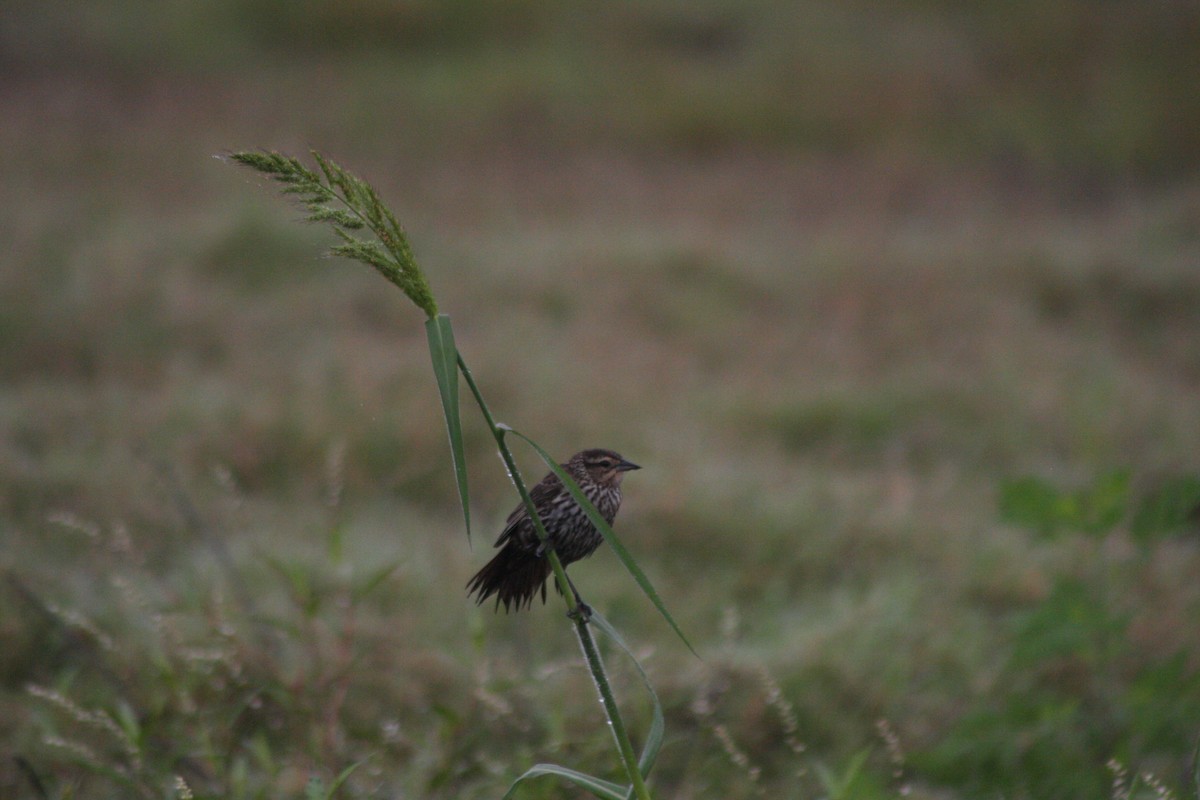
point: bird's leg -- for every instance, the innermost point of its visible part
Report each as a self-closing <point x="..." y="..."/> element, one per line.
<point x="582" y="609"/>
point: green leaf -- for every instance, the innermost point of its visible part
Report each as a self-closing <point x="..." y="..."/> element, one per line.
<point x="1036" y="504"/>
<point x="445" y="368"/>
<point x="610" y="537"/>
<point x="597" y="786"/>
<point x="657" y="725"/>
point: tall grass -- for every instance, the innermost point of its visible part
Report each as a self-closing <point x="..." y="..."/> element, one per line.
<point x="349" y="204"/>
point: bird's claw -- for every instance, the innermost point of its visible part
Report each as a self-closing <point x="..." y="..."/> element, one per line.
<point x="581" y="612"/>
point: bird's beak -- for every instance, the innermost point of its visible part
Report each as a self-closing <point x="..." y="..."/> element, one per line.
<point x="625" y="466"/>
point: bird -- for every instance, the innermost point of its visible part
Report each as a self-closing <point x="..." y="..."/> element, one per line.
<point x="522" y="566"/>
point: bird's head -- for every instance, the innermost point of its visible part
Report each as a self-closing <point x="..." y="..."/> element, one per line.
<point x="602" y="466"/>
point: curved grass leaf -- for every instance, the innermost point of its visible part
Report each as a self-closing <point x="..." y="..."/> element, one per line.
<point x="607" y="532"/>
<point x="341" y="778"/>
<point x="445" y="368"/>
<point x="839" y="786"/>
<point x="654" y="738"/>
<point x="597" y="786"/>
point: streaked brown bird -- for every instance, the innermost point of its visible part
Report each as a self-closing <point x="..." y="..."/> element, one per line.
<point x="521" y="567"/>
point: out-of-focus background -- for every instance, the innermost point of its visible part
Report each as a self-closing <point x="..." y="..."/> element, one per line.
<point x="898" y="305"/>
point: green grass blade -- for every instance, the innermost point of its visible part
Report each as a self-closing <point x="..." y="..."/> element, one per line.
<point x="342" y="777"/>
<point x="445" y="367"/>
<point x="597" y="786"/>
<point x="607" y="532"/>
<point x="654" y="738"/>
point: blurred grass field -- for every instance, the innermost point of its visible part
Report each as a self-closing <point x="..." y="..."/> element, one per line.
<point x="834" y="274"/>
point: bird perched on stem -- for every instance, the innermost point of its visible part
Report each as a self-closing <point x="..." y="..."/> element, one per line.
<point x="521" y="567"/>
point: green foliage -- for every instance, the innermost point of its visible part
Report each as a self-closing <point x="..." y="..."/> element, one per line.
<point x="1077" y="687"/>
<point x="1164" y="511"/>
<point x="1036" y="504"/>
<point x="1072" y="624"/>
<point x="203" y="706"/>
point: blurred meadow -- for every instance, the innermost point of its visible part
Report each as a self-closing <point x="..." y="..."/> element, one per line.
<point x="898" y="306"/>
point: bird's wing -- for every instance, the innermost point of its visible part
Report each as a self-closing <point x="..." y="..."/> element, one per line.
<point x="546" y="488"/>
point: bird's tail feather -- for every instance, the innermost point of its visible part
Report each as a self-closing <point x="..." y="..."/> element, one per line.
<point x="514" y="576"/>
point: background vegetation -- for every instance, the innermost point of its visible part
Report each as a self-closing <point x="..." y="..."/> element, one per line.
<point x="899" y="307"/>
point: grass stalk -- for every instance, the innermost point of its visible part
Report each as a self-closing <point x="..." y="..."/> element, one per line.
<point x="596" y="665"/>
<point x="349" y="204"/>
<point x="498" y="431"/>
<point x="588" y="644"/>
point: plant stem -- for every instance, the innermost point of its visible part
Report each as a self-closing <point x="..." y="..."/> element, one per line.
<point x="586" y="642"/>
<point x="624" y="746"/>
<point x="560" y="574"/>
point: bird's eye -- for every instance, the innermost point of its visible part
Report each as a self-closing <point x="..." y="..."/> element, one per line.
<point x="606" y="463"/>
